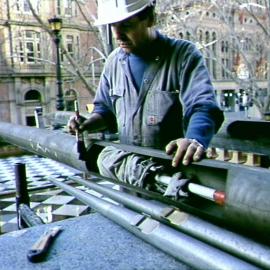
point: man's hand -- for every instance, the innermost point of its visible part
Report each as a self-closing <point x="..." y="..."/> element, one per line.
<point x="75" y="124"/>
<point x="185" y="150"/>
<point x="94" y="123"/>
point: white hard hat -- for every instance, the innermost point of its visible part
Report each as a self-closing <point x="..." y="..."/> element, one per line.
<point x="112" y="11"/>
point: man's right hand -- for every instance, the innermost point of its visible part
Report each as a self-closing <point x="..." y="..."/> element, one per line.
<point x="75" y="124"/>
<point x="94" y="123"/>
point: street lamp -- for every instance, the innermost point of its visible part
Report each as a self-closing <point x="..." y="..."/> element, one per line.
<point x="56" y="25"/>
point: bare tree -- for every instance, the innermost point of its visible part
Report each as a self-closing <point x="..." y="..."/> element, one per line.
<point x="243" y="35"/>
<point x="75" y="69"/>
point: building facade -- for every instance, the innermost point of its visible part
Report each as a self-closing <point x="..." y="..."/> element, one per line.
<point x="231" y="35"/>
<point x="28" y="57"/>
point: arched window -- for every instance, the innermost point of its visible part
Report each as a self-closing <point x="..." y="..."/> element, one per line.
<point x="32" y="99"/>
<point x="207" y="37"/>
<point x="214" y="38"/>
<point x="227" y="46"/>
<point x="222" y="46"/>
<point x="32" y="95"/>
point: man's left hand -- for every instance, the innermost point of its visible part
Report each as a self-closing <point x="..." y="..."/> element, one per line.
<point x="185" y="150"/>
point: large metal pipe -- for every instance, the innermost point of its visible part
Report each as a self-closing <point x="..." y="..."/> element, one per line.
<point x="247" y="189"/>
<point x="184" y="248"/>
<point x="226" y="240"/>
<point x="52" y="144"/>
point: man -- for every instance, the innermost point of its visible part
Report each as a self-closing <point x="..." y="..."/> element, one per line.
<point x="156" y="89"/>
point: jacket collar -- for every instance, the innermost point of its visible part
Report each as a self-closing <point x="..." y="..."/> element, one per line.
<point x="158" y="49"/>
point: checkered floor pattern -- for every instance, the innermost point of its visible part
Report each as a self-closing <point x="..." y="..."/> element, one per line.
<point x="37" y="169"/>
<point x="51" y="204"/>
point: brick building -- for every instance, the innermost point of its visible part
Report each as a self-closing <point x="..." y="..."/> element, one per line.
<point x="28" y="57"/>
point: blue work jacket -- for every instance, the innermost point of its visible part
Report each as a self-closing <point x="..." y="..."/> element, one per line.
<point x="175" y="87"/>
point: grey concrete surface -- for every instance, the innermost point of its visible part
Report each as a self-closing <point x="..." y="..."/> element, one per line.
<point x="87" y="242"/>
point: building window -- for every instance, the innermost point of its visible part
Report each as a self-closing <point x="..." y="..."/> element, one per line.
<point x="224" y="46"/>
<point x="72" y="42"/>
<point x="32" y="99"/>
<point x="28" y="47"/>
<point x="58" y="7"/>
<point x="22" y="6"/>
<point x="66" y="8"/>
<point x="225" y="68"/>
<point x="30" y="52"/>
<point x="207" y="37"/>
<point x="32" y="96"/>
<point x="70" y="45"/>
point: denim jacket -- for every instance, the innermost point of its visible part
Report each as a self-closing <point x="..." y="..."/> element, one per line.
<point x="175" y="85"/>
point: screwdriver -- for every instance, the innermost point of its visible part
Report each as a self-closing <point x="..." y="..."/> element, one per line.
<point x="79" y="135"/>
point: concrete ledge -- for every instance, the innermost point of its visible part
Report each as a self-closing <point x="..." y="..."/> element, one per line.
<point x="87" y="242"/>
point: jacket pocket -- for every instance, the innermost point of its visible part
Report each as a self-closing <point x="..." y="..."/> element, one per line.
<point x="159" y="104"/>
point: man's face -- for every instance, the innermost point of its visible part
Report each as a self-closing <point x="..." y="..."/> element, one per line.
<point x="131" y="34"/>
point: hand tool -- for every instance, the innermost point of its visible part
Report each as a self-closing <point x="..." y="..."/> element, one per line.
<point x="40" y="248"/>
<point x="79" y="135"/>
